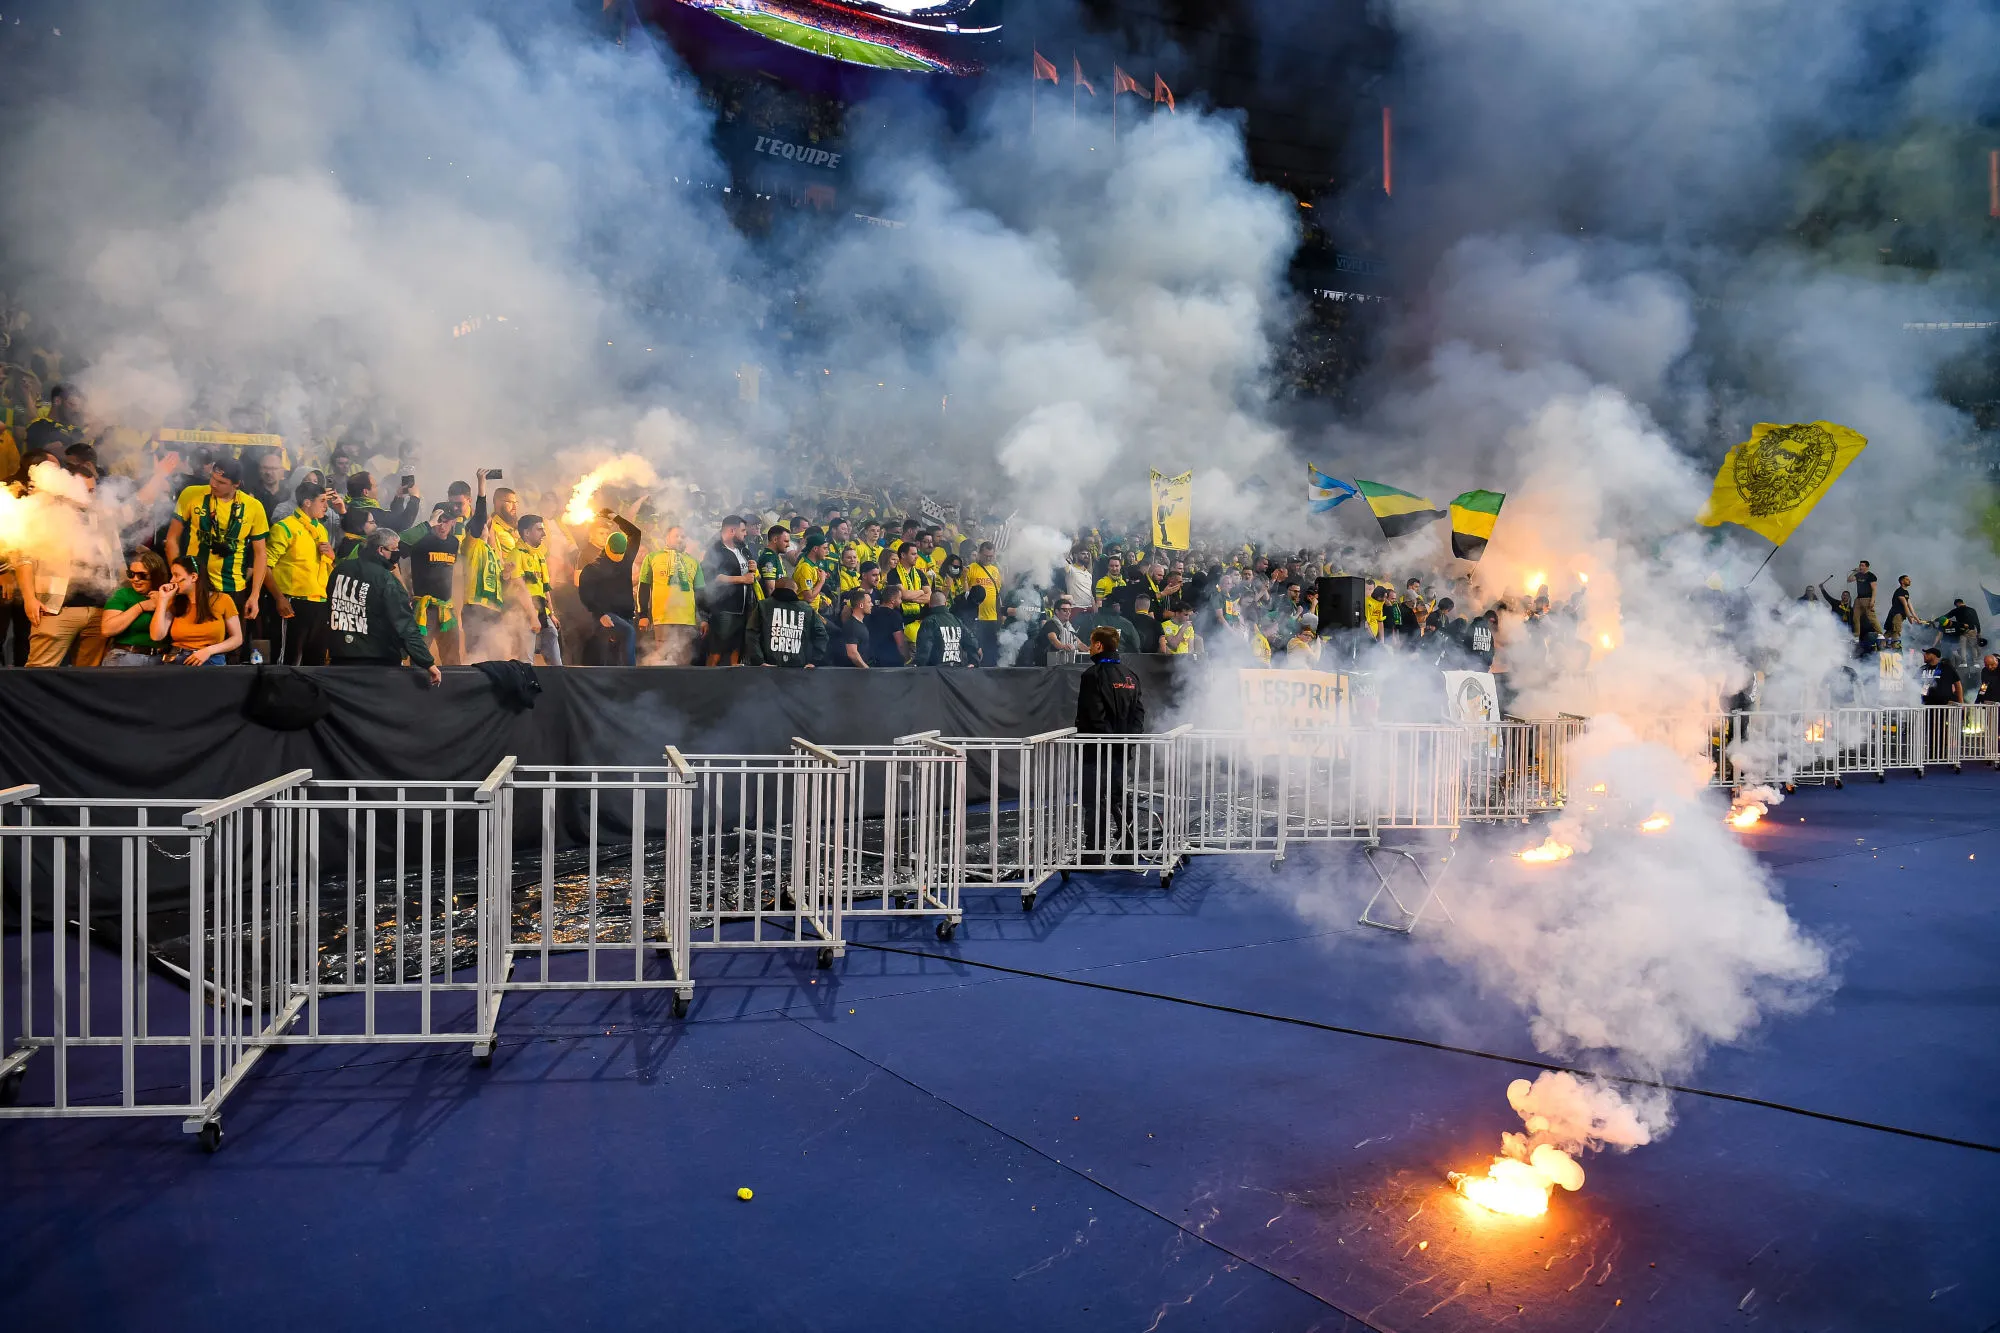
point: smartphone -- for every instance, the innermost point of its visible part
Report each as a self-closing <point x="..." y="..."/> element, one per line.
<point x="493" y="474"/>
<point x="409" y="479"/>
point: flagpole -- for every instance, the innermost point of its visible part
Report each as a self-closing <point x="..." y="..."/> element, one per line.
<point x="1760" y="568"/>
<point x="1073" y="68"/>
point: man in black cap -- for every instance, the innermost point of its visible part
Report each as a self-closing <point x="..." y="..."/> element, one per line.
<point x="369" y="619"/>
<point x="1940" y="679"/>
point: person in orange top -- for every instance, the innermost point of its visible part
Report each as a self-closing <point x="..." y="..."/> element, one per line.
<point x="201" y="626"/>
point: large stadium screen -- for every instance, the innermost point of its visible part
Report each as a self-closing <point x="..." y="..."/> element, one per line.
<point x="910" y="36"/>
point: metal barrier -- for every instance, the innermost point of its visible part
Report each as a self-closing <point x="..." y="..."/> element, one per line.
<point x="1979" y="734"/>
<point x="767" y="848"/>
<point x="1118" y="803"/>
<point x="108" y="1049"/>
<point x="616" y="892"/>
<point x="903" y="852"/>
<point x="1517" y="768"/>
<point x="1010" y="826"/>
<point x="401" y="921"/>
<point x="1901" y="734"/>
<point x="1254" y="793"/>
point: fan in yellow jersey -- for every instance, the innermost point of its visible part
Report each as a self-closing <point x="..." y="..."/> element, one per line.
<point x="1177" y="634"/>
<point x="1113" y="580"/>
<point x="984" y="573"/>
<point x="868" y="547"/>
<point x="670" y="587"/>
<point x="485" y="586"/>
<point x="813" y="574"/>
<point x="301" y="556"/>
<point x="531" y="557"/>
<point x="910" y="581"/>
<point x="848" y="574"/>
<point x="223" y="525"/>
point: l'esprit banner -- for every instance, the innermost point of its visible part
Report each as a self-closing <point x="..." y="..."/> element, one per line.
<point x="226" y="439"/>
<point x="1294" y="700"/>
<point x="231" y="438"/>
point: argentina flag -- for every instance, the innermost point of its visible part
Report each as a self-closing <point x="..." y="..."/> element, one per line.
<point x="1324" y="492"/>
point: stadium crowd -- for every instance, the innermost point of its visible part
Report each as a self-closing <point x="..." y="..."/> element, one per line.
<point x="211" y="551"/>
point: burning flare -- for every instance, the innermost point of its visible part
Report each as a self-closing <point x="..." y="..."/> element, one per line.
<point x="1551" y="850"/>
<point x="1655" y="822"/>
<point x="582" y="506"/>
<point x="1745" y="813"/>
<point x="1561" y="1116"/>
<point x="1518" y="1188"/>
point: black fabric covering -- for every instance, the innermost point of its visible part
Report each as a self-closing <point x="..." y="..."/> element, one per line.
<point x="167" y="732"/>
<point x="286" y="699"/>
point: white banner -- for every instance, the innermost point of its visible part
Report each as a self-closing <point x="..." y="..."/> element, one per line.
<point x="1471" y="696"/>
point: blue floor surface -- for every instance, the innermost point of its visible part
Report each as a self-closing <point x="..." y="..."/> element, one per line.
<point x="937" y="1144"/>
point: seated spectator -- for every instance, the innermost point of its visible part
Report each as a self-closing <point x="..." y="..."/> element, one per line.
<point x="199" y="626"/>
<point x="128" y="613"/>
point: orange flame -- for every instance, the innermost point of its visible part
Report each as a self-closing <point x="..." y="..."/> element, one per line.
<point x="1550" y="850"/>
<point x="1598" y="787"/>
<point x="1746" y="815"/>
<point x="1654" y="823"/>
<point x="1510" y="1187"/>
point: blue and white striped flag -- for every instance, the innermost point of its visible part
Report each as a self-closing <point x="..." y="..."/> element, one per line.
<point x="1324" y="492"/>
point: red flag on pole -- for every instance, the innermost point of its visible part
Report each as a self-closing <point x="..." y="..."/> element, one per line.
<point x="1121" y="82"/>
<point x="1045" y="70"/>
<point x="1162" y="93"/>
<point x="1076" y="75"/>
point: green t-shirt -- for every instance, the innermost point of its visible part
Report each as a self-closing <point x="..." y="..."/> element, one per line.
<point x="139" y="634"/>
<point x="771" y="567"/>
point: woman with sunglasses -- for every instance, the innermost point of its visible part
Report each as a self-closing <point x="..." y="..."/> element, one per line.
<point x="200" y="625"/>
<point x="128" y="613"/>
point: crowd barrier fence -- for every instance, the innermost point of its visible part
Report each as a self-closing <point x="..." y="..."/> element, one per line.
<point x="903" y="847"/>
<point x="1011" y="828"/>
<point x="107" y="1048"/>
<point x="349" y="912"/>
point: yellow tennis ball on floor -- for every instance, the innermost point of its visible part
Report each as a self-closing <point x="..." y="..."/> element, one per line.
<point x="744" y="1193"/>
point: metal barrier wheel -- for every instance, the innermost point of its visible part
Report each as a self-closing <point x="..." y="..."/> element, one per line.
<point x="946" y="929"/>
<point x="1028" y="895"/>
<point x="211" y="1136"/>
<point x="680" y="1004"/>
<point x="825" y="959"/>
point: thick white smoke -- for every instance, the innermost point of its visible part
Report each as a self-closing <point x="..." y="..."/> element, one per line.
<point x="472" y="226"/>
<point x="1604" y="200"/>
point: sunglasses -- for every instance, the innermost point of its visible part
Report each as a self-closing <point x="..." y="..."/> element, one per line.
<point x="139" y="574"/>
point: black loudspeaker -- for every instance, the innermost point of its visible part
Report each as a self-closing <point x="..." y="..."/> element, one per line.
<point x="1343" y="603"/>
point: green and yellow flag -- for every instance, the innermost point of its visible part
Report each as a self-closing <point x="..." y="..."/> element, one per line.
<point x="1771" y="481"/>
<point x="1473" y="515"/>
<point x="1399" y="512"/>
<point x="1173" y="510"/>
